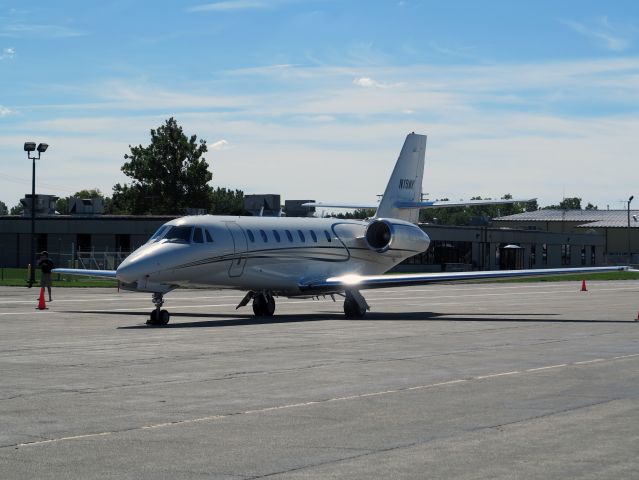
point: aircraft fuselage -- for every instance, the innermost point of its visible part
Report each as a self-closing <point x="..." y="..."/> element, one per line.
<point x="277" y="254"/>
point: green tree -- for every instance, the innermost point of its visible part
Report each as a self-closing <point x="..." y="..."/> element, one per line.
<point x="169" y="175"/>
<point x="17" y="209"/>
<point x="3" y="208"/>
<point x="571" y="203"/>
<point x="590" y="206"/>
<point x="226" y="202"/>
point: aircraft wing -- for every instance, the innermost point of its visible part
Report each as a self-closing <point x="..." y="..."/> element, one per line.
<point x="361" y="282"/>
<point x="87" y="273"/>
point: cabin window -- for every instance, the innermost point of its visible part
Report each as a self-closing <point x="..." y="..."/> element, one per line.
<point x="289" y="235"/>
<point x="276" y="235"/>
<point x="209" y="238"/>
<point x="197" y="235"/>
<point x="313" y="236"/>
<point x="328" y="236"/>
<point x="250" y="235"/>
<point x="264" y="237"/>
<point x="301" y="235"/>
<point x="179" y="234"/>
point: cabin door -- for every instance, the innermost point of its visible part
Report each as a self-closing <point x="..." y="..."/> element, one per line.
<point x="240" y="246"/>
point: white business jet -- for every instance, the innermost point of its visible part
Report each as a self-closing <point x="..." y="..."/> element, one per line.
<point x="270" y="257"/>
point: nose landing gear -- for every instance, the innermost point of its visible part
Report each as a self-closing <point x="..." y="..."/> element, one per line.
<point x="158" y="316"/>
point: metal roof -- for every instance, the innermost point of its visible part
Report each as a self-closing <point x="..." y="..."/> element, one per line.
<point x="612" y="218"/>
<point x="585" y="216"/>
<point x="612" y="223"/>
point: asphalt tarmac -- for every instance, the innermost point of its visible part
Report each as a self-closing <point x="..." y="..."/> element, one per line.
<point x="446" y="381"/>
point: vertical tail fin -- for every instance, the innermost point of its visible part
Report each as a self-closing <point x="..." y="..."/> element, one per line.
<point x="405" y="183"/>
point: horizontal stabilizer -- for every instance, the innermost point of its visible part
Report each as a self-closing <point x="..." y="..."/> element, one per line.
<point x="460" y="203"/>
<point x="383" y="281"/>
<point x="339" y="205"/>
<point x="86" y="273"/>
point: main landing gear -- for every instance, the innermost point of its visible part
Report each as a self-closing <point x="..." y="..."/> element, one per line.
<point x="158" y="317"/>
<point x="263" y="303"/>
<point x="355" y="305"/>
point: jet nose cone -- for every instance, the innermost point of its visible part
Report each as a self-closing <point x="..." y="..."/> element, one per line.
<point x="130" y="271"/>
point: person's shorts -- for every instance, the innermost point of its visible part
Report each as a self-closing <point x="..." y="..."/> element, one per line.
<point x="46" y="280"/>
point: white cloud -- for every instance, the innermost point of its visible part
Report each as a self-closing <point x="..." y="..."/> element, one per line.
<point x="602" y="32"/>
<point x="8" y="53"/>
<point x="230" y="5"/>
<point x="4" y="111"/>
<point x="365" y="82"/>
<point x="508" y="127"/>
<point x="38" y="30"/>
<point x="368" y="82"/>
<point x="220" y="145"/>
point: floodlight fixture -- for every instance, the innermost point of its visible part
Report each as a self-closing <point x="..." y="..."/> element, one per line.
<point x="30" y="146"/>
<point x="42" y="147"/>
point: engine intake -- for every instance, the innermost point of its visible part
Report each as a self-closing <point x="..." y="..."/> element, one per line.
<point x="379" y="235"/>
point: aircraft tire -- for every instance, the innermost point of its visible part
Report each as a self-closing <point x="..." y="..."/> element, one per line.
<point x="153" y="318"/>
<point x="264" y="305"/>
<point x="164" y="318"/>
<point x="259" y="306"/>
<point x="270" y="306"/>
<point x="353" y="310"/>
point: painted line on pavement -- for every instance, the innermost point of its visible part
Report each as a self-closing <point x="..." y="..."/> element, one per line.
<point x="317" y="402"/>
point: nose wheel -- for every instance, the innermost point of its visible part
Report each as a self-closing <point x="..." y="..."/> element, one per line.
<point x="159" y="317"/>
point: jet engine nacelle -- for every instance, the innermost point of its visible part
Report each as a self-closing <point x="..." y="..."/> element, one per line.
<point x="379" y="235"/>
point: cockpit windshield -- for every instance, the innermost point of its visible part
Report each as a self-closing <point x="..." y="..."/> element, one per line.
<point x="179" y="234"/>
<point x="157" y="236"/>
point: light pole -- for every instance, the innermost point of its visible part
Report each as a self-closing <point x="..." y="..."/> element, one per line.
<point x="629" y="254"/>
<point x="30" y="147"/>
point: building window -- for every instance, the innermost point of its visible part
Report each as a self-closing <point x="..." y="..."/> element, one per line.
<point x="565" y="254"/>
<point x="544" y="254"/>
<point x="583" y="255"/>
<point x="593" y="256"/>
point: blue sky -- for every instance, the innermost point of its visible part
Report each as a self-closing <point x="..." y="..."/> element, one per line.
<point x="312" y="99"/>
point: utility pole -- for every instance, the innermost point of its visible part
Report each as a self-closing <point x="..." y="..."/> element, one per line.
<point x="31" y="147"/>
<point x="629" y="254"/>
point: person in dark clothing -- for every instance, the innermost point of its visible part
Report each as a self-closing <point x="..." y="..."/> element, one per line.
<point x="46" y="265"/>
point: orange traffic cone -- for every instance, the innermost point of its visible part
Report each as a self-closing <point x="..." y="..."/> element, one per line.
<point x="41" y="304"/>
<point x="583" y="286"/>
